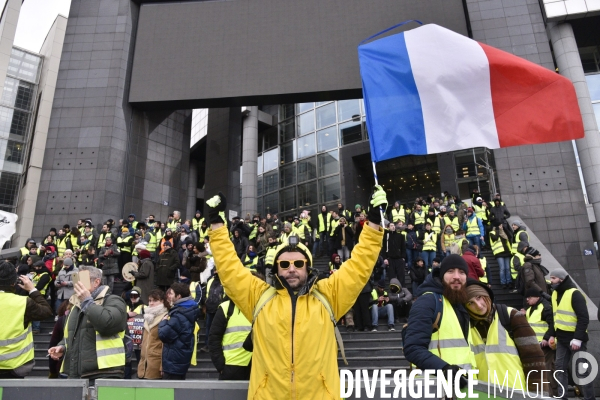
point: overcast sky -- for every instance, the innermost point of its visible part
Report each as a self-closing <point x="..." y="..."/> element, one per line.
<point x="36" y="19"/>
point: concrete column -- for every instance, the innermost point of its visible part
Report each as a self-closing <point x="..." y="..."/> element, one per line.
<point x="569" y="65"/>
<point x="249" y="161"/>
<point x="192" y="189"/>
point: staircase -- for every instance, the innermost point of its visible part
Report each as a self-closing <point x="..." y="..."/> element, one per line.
<point x="502" y="296"/>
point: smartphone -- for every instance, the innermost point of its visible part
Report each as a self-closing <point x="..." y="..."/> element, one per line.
<point x="84" y="278"/>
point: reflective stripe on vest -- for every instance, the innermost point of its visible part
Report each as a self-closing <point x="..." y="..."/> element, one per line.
<point x="473" y="227"/>
<point x="398" y="215"/>
<point x="429" y="241"/>
<point x="453" y="223"/>
<point x="110" y="350"/>
<point x="539" y="326"/>
<point x="513" y="271"/>
<point x="497" y="354"/>
<point x="516" y="241"/>
<point x="565" y="318"/>
<point x="16" y="342"/>
<point x="238" y="329"/>
<point x="36" y="280"/>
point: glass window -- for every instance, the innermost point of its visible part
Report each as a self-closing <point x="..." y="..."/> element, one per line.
<point x="329" y="189"/>
<point x="14" y="152"/>
<point x="593" y="82"/>
<point x="259" y="187"/>
<point x="320" y="103"/>
<point x="348" y="109"/>
<point x="306" y="146"/>
<point x="304" y="107"/>
<point x="307" y="169"/>
<point x="271" y="159"/>
<point x="326" y="115"/>
<point x="286" y="111"/>
<point x="270" y="138"/>
<point x="329" y="163"/>
<point x="306" y="123"/>
<point x="259" y="167"/>
<point x="350" y="132"/>
<point x="287" y="175"/>
<point x="287" y="153"/>
<point x="9" y="185"/>
<point x="271" y="203"/>
<point x="23" y="65"/>
<point x="259" y="206"/>
<point x="286" y="130"/>
<point x="270" y="181"/>
<point x="17" y="94"/>
<point x="287" y="199"/>
<point x="307" y="194"/>
<point x="327" y="139"/>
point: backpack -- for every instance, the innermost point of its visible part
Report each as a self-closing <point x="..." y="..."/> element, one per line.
<point x="439" y="309"/>
<point x="271" y="292"/>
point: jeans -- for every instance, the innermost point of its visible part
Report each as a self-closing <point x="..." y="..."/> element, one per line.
<point x="475" y="240"/>
<point x="504" y="263"/>
<point x="412" y="255"/>
<point x="344" y="253"/>
<point x="35" y="325"/>
<point x="58" y="303"/>
<point x="324" y="243"/>
<point x="108" y="280"/>
<point x="209" y="319"/>
<point x="563" y="358"/>
<point x="428" y="256"/>
<point x="315" y="248"/>
<point x="385" y="311"/>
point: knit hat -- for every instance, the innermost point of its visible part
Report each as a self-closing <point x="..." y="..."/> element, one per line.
<point x="135" y="290"/>
<point x="143" y="254"/>
<point x="68" y="262"/>
<point x="560" y="273"/>
<point x="124" y="229"/>
<point x="333" y="257"/>
<point x="521" y="246"/>
<point x="381" y="283"/>
<point x="8" y="274"/>
<point x="470" y="209"/>
<point x="477" y="288"/>
<point x="166" y="243"/>
<point x="531" y="292"/>
<point x="453" y="261"/>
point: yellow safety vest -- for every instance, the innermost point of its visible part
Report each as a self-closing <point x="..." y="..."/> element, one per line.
<point x="24" y="251"/>
<point x="193" y="287"/>
<point x="429" y="241"/>
<point x="61" y="246"/>
<point x="253" y="232"/>
<point x="513" y="271"/>
<point x="270" y="256"/>
<point x="138" y="310"/>
<point x="398" y="215"/>
<point x="197" y="224"/>
<point x="453" y="223"/>
<point x="479" y="211"/>
<point x="37" y="278"/>
<point x="151" y="245"/>
<point x="539" y="326"/>
<point x="285" y="236"/>
<point x="299" y="230"/>
<point x="322" y="223"/>
<point x="448" y="342"/>
<point x="334" y="224"/>
<point x="127" y="247"/>
<point x="448" y="240"/>
<point x="194" y="360"/>
<point x="483" y="278"/>
<point x="102" y="239"/>
<point x="565" y="318"/>
<point x="497" y="246"/>
<point x="173" y="224"/>
<point x="203" y="234"/>
<point x="254" y="262"/>
<point x="16" y="342"/>
<point x="238" y="329"/>
<point x="498" y="353"/>
<point x="420" y="217"/>
<point x="435" y="226"/>
<point x="110" y="350"/>
<point x="83" y="251"/>
<point x="473" y="227"/>
<point x="516" y="240"/>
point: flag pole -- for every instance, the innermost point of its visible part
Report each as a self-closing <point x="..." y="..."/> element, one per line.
<point x="377" y="183"/>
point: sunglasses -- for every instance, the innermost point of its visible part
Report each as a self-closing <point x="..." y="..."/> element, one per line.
<point x="285" y="264"/>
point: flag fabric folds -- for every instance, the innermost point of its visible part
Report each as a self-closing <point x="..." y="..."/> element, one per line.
<point x="431" y="90"/>
<point x="8" y="226"/>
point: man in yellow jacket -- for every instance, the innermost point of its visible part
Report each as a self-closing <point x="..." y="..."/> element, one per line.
<point x="295" y="351"/>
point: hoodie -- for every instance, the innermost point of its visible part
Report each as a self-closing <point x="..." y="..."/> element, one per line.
<point x="177" y="335"/>
<point x="419" y="327"/>
<point x="401" y="295"/>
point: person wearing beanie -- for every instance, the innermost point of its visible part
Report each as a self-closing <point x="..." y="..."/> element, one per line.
<point x="297" y="308"/>
<point x="381" y="307"/>
<point x="504" y="344"/>
<point x="394" y="253"/>
<point x="417" y="274"/>
<point x="135" y="305"/>
<point x="439" y="315"/>
<point x="125" y="245"/>
<point x="571" y="320"/>
<point x="64" y="282"/>
<point x="470" y="254"/>
<point x="335" y="263"/>
<point x="108" y="262"/>
<point x="144" y="276"/>
<point x="540" y="317"/>
<point x="474" y="228"/>
<point x="17" y="356"/>
<point x="197" y="222"/>
<point x="519" y="234"/>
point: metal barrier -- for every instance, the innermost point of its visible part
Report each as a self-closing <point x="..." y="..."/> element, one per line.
<point x="25" y="389"/>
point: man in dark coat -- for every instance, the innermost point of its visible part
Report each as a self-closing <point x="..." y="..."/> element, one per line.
<point x="176" y="332"/>
<point x="144" y="276"/>
<point x="394" y="250"/>
<point x="168" y="263"/>
<point x="108" y="262"/>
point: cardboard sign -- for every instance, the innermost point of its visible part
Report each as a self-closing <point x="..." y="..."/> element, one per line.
<point x="83" y="277"/>
<point x="136" y="329"/>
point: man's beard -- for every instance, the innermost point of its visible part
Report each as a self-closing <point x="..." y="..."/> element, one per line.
<point x="455" y="296"/>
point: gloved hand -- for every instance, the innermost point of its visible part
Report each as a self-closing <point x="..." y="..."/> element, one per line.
<point x="455" y="368"/>
<point x="378" y="199"/>
<point x="216" y="210"/>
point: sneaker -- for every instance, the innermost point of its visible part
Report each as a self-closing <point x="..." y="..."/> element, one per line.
<point x="350" y="328"/>
<point x="391" y="328"/>
<point x="56" y="318"/>
<point x="514" y="290"/>
<point x="374" y="329"/>
<point x="35" y="331"/>
<point x="204" y="349"/>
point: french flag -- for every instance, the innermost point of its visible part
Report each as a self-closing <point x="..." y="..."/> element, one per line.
<point x="431" y="90"/>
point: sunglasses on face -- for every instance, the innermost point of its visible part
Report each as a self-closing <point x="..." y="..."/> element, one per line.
<point x="285" y="264"/>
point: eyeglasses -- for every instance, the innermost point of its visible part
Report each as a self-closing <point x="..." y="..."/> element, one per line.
<point x="285" y="264"/>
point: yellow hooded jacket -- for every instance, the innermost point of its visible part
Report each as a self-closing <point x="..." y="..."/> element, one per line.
<point x="295" y="353"/>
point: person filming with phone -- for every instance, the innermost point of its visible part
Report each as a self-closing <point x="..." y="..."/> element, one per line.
<point x="16" y="351"/>
<point x="93" y="343"/>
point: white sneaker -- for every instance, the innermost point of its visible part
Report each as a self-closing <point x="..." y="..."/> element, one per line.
<point x="56" y="318"/>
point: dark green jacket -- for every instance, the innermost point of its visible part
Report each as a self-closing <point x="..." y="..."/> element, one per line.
<point x="108" y="319"/>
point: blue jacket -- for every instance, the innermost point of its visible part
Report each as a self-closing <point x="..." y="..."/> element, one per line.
<point x="479" y="223"/>
<point x="177" y="334"/>
<point x="419" y="328"/>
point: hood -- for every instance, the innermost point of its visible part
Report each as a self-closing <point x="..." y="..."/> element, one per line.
<point x="395" y="282"/>
<point x="187" y="307"/>
<point x="432" y="283"/>
<point x="27" y="241"/>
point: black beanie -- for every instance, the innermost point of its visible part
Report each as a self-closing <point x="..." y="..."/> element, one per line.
<point x="8" y="274"/>
<point x="531" y="292"/>
<point x="453" y="261"/>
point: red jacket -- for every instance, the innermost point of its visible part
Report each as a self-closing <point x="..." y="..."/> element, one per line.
<point x="475" y="270"/>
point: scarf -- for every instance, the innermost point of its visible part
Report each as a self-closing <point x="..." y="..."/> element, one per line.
<point x="153" y="315"/>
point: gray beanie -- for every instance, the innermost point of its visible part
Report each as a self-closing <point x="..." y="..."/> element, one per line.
<point x="68" y="262"/>
<point x="560" y="273"/>
<point x="8" y="274"/>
